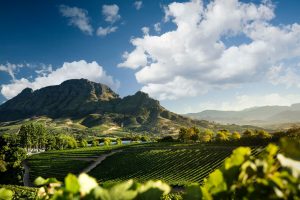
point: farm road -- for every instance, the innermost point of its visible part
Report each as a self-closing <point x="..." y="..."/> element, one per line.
<point x="99" y="160"/>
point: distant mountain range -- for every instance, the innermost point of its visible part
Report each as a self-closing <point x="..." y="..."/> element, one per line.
<point x="91" y="104"/>
<point x="257" y="116"/>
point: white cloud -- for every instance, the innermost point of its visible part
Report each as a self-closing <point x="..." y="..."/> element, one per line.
<point x="74" y="70"/>
<point x="157" y="27"/>
<point x="44" y="70"/>
<point x="105" y="31"/>
<point x="11" y="69"/>
<point x="289" y="76"/>
<point x="241" y="102"/>
<point x="111" y="13"/>
<point x="77" y="17"/>
<point x="145" y="30"/>
<point x="197" y="50"/>
<point x="138" y="5"/>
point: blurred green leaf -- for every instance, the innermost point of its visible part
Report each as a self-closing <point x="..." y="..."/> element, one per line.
<point x="6" y="194"/>
<point x="86" y="183"/>
<point x="194" y="191"/>
<point x="72" y="184"/>
<point x="215" y="182"/>
<point x="152" y="190"/>
<point x="39" y="181"/>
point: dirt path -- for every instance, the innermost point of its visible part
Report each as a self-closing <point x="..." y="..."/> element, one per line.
<point x="99" y="160"/>
<point x="26" y="179"/>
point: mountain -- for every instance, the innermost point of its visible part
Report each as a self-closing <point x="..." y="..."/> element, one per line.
<point x="257" y="116"/>
<point x="93" y="105"/>
<point x="71" y="98"/>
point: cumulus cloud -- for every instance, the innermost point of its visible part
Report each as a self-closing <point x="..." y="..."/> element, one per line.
<point x="77" y="17"/>
<point x="105" y="31"/>
<point x="73" y="70"/>
<point x="111" y="13"/>
<point x="138" y="5"/>
<point x="196" y="50"/>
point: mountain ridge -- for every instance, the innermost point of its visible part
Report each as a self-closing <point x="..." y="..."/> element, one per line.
<point x="257" y="116"/>
<point x="89" y="104"/>
<point x="94" y="104"/>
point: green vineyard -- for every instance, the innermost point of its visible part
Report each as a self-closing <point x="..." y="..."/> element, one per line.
<point x="61" y="162"/>
<point x="174" y="165"/>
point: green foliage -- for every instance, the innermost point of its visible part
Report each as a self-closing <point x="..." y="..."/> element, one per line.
<point x="107" y="142"/>
<point x="249" y="133"/>
<point x="20" y="192"/>
<point x="167" y="139"/>
<point x="243" y="176"/>
<point x="119" y="141"/>
<point x="5" y="194"/>
<point x="235" y="135"/>
<point x="11" y="158"/>
<point x="223" y="135"/>
<point x="33" y="135"/>
<point x="186" y="134"/>
<point x="263" y="134"/>
<point x="183" y="134"/>
<point x="95" y="143"/>
<point x="290" y="147"/>
<point x="145" y="138"/>
<point x="86" y="187"/>
<point x="83" y="143"/>
<point x="206" y="135"/>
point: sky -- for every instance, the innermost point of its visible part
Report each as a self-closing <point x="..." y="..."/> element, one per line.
<point x="190" y="55"/>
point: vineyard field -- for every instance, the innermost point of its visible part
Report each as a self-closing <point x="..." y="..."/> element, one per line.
<point x="59" y="163"/>
<point x="180" y="165"/>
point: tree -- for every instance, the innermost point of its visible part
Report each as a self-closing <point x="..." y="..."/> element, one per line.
<point x="235" y="135"/>
<point x="24" y="134"/>
<point x="50" y="142"/>
<point x="206" y="135"/>
<point x="263" y="134"/>
<point x="183" y="134"/>
<point x="193" y="134"/>
<point x="145" y="138"/>
<point x="11" y="170"/>
<point x="42" y="136"/>
<point x="83" y="143"/>
<point x="95" y="143"/>
<point x="107" y="142"/>
<point x="248" y="133"/>
<point x="33" y="135"/>
<point x="223" y="135"/>
<point x="119" y="141"/>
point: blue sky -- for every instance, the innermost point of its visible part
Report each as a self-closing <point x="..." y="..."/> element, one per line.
<point x="191" y="60"/>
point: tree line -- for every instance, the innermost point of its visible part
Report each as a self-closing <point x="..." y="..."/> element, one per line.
<point x="207" y="135"/>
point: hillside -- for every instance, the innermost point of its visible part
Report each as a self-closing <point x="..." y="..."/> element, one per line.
<point x="257" y="116"/>
<point x="80" y="104"/>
